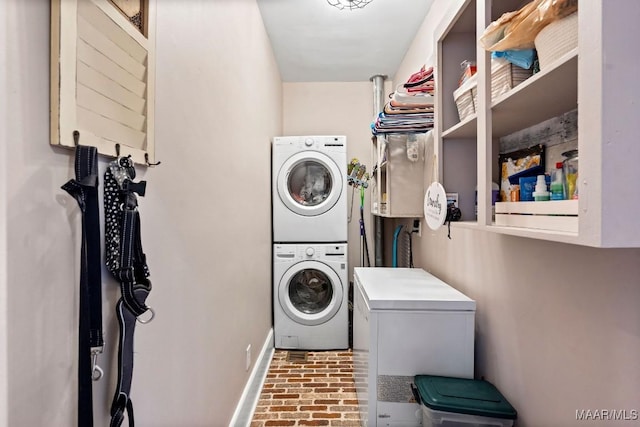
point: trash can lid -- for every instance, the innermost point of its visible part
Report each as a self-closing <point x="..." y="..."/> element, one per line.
<point x="463" y="396"/>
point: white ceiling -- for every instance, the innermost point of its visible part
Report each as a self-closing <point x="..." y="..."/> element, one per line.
<point x="315" y="42"/>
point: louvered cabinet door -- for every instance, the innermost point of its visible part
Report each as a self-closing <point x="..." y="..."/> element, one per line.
<point x="102" y="78"/>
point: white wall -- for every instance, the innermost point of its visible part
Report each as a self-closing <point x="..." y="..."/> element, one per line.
<point x="557" y="326"/>
<point x="205" y="225"/>
<point x="4" y="132"/>
<point x="337" y="109"/>
<point x="41" y="231"/>
<point x="219" y="102"/>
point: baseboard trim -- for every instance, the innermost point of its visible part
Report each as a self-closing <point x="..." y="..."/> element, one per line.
<point x="249" y="399"/>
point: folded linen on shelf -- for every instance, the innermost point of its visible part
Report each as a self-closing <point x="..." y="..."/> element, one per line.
<point x="391" y="108"/>
<point x="426" y="87"/>
<point x="401" y="96"/>
<point x="411" y="106"/>
<point x="420" y="122"/>
<point x="422" y="75"/>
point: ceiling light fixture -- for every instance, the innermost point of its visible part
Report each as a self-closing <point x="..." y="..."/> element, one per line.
<point x="349" y="4"/>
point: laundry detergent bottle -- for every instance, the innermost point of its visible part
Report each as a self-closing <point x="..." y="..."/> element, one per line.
<point x="557" y="183"/>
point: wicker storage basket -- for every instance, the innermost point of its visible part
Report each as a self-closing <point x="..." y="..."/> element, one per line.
<point x="505" y="76"/>
<point x="465" y="96"/>
<point x="556" y="39"/>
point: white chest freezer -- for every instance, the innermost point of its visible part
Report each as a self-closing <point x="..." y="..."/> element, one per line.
<point x="406" y="322"/>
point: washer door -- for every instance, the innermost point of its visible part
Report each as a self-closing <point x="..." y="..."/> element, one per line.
<point x="310" y="292"/>
<point x="309" y="183"/>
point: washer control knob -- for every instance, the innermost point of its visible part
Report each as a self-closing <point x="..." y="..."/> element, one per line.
<point x="310" y="251"/>
<point x="308" y="142"/>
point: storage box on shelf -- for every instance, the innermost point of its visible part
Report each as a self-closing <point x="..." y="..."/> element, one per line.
<point x="553" y="215"/>
<point x="465" y="98"/>
<point x="607" y="125"/>
<point x="505" y="76"/>
<point x="556" y="39"/>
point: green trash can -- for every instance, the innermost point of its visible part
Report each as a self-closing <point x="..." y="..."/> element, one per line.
<point x="461" y="402"/>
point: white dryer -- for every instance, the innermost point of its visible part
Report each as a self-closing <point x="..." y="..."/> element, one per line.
<point x="309" y="188"/>
<point x="310" y="296"/>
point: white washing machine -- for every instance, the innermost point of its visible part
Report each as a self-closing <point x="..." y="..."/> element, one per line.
<point x="309" y="188"/>
<point x="310" y="296"/>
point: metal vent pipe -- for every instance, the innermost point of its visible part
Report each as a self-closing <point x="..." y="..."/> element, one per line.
<point x="378" y="93"/>
<point x="378" y="229"/>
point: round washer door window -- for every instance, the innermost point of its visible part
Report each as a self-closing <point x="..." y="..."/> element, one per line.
<point x="310" y="293"/>
<point x="309" y="183"/>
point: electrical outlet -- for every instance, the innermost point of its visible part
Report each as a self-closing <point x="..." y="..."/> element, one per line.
<point x="417" y="227"/>
<point x="248" y="358"/>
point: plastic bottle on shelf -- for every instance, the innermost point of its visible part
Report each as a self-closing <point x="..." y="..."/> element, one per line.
<point x="570" y="169"/>
<point x="541" y="194"/>
<point x="557" y="183"/>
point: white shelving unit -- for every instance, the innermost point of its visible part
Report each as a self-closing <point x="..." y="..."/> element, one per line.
<point x="397" y="185"/>
<point x="598" y="77"/>
<point x="456" y="140"/>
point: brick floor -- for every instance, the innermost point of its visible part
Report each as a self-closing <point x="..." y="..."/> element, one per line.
<point x="317" y="392"/>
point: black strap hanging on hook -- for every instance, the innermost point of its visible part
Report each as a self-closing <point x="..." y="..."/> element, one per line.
<point x="126" y="261"/>
<point x="84" y="188"/>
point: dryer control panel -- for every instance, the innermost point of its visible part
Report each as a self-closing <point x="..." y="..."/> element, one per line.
<point x="323" y="142"/>
<point x="296" y="252"/>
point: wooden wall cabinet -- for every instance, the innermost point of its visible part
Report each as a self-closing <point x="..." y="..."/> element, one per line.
<point x="103" y="78"/>
<point x="599" y="78"/>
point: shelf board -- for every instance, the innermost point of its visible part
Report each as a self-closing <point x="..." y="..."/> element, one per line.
<point x="464" y="129"/>
<point x="555" y="236"/>
<point x="551" y="207"/>
<point x="546" y="94"/>
<point x="465" y="224"/>
<point x="388" y="215"/>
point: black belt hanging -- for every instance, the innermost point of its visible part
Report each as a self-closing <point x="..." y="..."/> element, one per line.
<point x="127" y="262"/>
<point x="84" y="188"/>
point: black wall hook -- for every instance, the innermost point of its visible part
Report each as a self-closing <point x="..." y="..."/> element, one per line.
<point x="146" y="160"/>
<point x="76" y="138"/>
<point x="117" y="150"/>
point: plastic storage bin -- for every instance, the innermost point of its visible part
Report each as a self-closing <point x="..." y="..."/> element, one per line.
<point x="449" y="402"/>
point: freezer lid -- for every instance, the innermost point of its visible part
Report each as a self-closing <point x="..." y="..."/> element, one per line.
<point x="409" y="289"/>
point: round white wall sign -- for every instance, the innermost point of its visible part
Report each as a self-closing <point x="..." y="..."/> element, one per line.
<point x="435" y="205"/>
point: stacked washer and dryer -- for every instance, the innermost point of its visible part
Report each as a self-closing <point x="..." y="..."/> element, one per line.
<point x="310" y="279"/>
